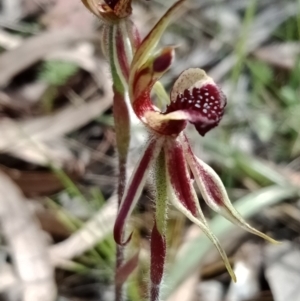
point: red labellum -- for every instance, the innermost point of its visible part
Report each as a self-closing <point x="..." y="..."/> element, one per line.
<point x="205" y="105"/>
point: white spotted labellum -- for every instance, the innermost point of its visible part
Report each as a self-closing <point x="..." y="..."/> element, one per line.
<point x="195" y="98"/>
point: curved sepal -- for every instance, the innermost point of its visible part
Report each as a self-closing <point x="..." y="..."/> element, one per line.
<point x="151" y="71"/>
<point x="135" y="187"/>
<point x="214" y="192"/>
<point x="144" y="79"/>
<point x="184" y="198"/>
<point x="151" y="40"/>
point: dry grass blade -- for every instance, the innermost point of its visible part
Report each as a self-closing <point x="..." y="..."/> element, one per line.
<point x="9" y="41"/>
<point x="27" y="139"/>
<point x="33" y="49"/>
<point x="88" y="236"/>
<point x="27" y="244"/>
<point x="186" y="291"/>
<point x="283" y="55"/>
<point x="11" y="10"/>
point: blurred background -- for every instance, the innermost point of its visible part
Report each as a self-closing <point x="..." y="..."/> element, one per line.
<point x="58" y="162"/>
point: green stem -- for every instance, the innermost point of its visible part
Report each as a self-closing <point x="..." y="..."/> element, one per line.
<point x="121" y="117"/>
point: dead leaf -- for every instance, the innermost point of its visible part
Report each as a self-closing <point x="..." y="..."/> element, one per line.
<point x="34" y="183"/>
<point x="283" y="55"/>
<point x="71" y="14"/>
<point x="33" y="49"/>
<point x="27" y="244"/>
<point x="93" y="231"/>
<point x="27" y="139"/>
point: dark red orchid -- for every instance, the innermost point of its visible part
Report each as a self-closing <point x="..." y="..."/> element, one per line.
<point x="194" y="98"/>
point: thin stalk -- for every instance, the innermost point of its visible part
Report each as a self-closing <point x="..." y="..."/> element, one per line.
<point x="120" y="54"/>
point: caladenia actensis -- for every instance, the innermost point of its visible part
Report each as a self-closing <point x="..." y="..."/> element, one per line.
<point x="195" y="98"/>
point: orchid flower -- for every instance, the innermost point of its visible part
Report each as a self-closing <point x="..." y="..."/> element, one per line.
<point x="194" y="98"/>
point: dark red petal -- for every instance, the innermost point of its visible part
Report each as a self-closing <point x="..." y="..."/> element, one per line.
<point x="209" y="186"/>
<point x="179" y="175"/>
<point x="205" y="106"/>
<point x="158" y="257"/>
<point x="134" y="189"/>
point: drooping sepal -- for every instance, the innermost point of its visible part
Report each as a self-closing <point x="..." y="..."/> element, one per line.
<point x="183" y="196"/>
<point x="214" y="192"/>
<point x="135" y="187"/>
<point x="179" y="176"/>
<point x="198" y="99"/>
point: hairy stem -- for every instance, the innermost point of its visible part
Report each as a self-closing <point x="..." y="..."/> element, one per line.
<point x="120" y="55"/>
<point x="158" y="237"/>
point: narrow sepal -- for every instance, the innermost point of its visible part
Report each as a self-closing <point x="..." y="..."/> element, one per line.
<point x="134" y="35"/>
<point x="123" y="54"/>
<point x="214" y="192"/>
<point x="152" y="39"/>
<point x="151" y="71"/>
<point x="184" y="198"/>
<point x="134" y="188"/>
<point x="157" y="264"/>
<point x="145" y="78"/>
<point x="202" y="224"/>
<point x="179" y="176"/>
<point x="122" y="124"/>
